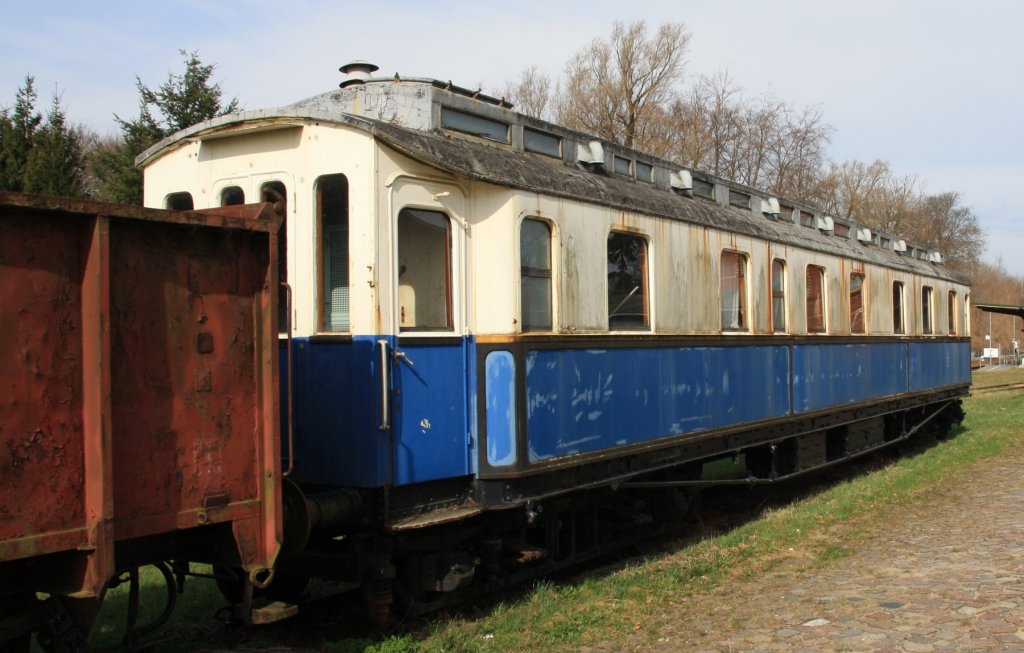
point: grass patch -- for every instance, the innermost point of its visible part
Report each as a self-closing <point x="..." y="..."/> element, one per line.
<point x="984" y="379"/>
<point x="191" y="619"/>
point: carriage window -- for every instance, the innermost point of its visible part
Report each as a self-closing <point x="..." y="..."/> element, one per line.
<point x="644" y="171"/>
<point x="475" y="125"/>
<point x="897" y="307"/>
<point x="734" y="291"/>
<point x="778" y="296"/>
<point x="332" y="216"/>
<point x="926" y="309"/>
<point x="535" y="275"/>
<point x="951" y="312"/>
<point x="856" y="302"/>
<point x="806" y="219"/>
<point x="627" y="282"/>
<point x="180" y="202"/>
<point x="275" y="192"/>
<point x="232" y="195"/>
<point x="541" y="142"/>
<point x="623" y="166"/>
<point x="967" y="315"/>
<point x="704" y="189"/>
<point x="815" y="299"/>
<point x="738" y="199"/>
<point x="424" y="271"/>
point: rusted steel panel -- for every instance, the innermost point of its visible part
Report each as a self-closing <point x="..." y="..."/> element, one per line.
<point x="42" y="457"/>
<point x="137" y="393"/>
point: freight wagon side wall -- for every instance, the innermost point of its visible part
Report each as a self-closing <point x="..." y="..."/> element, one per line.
<point x="43" y="457"/>
<point x="137" y="366"/>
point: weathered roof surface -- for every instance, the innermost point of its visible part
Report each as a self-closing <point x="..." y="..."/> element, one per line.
<point x="1004" y="309"/>
<point x="504" y="167"/>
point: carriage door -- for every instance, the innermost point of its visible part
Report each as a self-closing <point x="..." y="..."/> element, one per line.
<point x="430" y="437"/>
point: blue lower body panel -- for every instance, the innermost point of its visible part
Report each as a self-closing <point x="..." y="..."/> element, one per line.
<point x="430" y="412"/>
<point x="934" y="364"/>
<point x="828" y="375"/>
<point x="337" y="413"/>
<point x="580" y="401"/>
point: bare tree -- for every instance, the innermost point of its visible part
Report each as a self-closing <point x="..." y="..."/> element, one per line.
<point x="628" y="89"/>
<point x="951" y="228"/>
<point x="709" y="120"/>
<point x="798" y="154"/>
<point x="532" y="93"/>
<point x="764" y="143"/>
<point x="619" y="89"/>
<point x="992" y="283"/>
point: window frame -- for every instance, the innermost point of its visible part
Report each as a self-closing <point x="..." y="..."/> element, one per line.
<point x="226" y="190"/>
<point x="531" y="138"/>
<point x="449" y="263"/>
<point x="951" y="313"/>
<point x="643" y="171"/>
<point x="645" y="273"/>
<point x="179" y="201"/>
<point x="323" y="315"/>
<point x="464" y="119"/>
<point x="899" y="321"/>
<point x="778" y="294"/>
<point x="742" y="312"/>
<point x="823" y="299"/>
<point x="862" y="292"/>
<point x="535" y="273"/>
<point x="927" y="310"/>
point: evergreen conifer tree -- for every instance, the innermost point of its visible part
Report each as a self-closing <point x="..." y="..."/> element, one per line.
<point x="55" y="164"/>
<point x="180" y="102"/>
<point x="17" y="131"/>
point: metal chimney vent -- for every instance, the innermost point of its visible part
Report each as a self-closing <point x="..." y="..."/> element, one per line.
<point x="357" y="72"/>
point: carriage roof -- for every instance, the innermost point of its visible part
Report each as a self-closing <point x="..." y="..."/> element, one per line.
<point x="405" y="115"/>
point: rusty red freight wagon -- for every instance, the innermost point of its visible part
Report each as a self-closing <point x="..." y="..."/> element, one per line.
<point x="138" y="397"/>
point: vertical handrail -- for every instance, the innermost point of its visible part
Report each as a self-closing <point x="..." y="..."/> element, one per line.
<point x="385" y="387"/>
<point x="291" y="395"/>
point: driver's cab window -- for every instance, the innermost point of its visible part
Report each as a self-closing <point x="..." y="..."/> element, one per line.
<point x="424" y="271"/>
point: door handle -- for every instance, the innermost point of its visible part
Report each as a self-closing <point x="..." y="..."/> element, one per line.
<point x="403" y="356"/>
<point x="385" y="387"/>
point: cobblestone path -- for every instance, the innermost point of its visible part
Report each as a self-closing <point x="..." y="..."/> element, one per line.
<point x="945" y="574"/>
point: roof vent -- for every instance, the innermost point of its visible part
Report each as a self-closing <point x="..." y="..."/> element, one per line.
<point x="864" y="235"/>
<point x="899" y="245"/>
<point x="770" y="207"/>
<point x="357" y="72"/>
<point x="935" y="257"/>
<point x="591" y="154"/>
<point x="681" y="182"/>
<point x="826" y="224"/>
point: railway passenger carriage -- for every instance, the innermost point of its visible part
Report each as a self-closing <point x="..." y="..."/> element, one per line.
<point x="491" y="311"/>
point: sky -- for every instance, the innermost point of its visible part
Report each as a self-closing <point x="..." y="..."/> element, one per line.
<point x="933" y="87"/>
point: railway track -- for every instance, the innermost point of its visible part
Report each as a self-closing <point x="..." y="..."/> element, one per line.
<point x="1003" y="387"/>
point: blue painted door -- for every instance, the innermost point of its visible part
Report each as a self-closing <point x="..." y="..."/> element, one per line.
<point x="429" y="371"/>
<point x="430" y="432"/>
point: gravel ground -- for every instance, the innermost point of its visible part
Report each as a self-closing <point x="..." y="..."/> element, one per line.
<point x="943" y="574"/>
